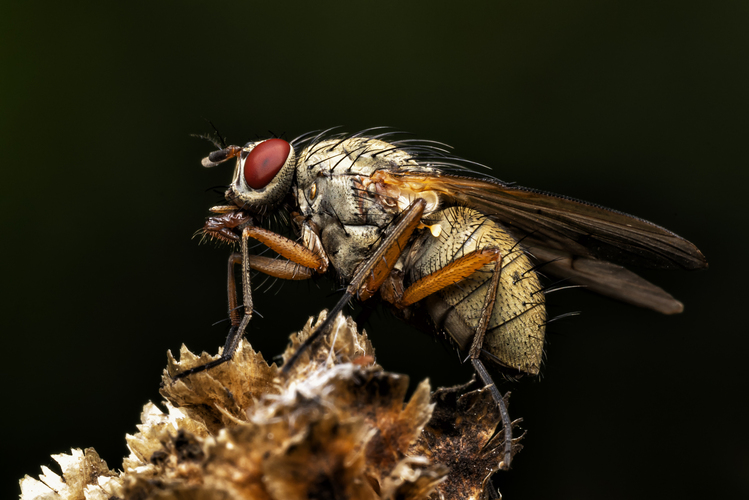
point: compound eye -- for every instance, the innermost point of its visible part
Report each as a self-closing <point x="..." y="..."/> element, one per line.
<point x="265" y="161"/>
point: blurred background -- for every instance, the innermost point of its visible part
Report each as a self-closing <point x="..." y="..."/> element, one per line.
<point x="640" y="106"/>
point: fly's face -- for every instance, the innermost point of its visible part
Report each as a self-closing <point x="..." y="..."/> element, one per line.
<point x="262" y="176"/>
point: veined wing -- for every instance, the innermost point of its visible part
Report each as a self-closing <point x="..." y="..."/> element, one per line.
<point x="588" y="243"/>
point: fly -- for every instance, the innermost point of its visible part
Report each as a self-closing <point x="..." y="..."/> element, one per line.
<point x="410" y="222"/>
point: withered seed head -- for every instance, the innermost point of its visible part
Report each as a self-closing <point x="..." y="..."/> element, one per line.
<point x="336" y="426"/>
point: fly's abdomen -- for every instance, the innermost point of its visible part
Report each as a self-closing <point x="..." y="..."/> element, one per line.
<point x="515" y="335"/>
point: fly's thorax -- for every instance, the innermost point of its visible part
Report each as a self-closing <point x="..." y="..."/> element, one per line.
<point x="515" y="335"/>
<point x="347" y="246"/>
<point x="358" y="155"/>
<point x="357" y="162"/>
<point x="337" y="192"/>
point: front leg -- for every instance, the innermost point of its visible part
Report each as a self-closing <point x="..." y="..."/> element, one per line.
<point x="309" y="253"/>
<point x="302" y="263"/>
<point x="238" y="326"/>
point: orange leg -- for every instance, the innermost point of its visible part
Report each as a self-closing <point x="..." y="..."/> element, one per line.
<point x="231" y="289"/>
<point x="278" y="268"/>
<point x="286" y="269"/>
<point x="295" y="252"/>
<point x="455" y="271"/>
<point x="378" y="267"/>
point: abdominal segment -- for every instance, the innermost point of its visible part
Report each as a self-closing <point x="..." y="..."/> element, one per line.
<point x="515" y="335"/>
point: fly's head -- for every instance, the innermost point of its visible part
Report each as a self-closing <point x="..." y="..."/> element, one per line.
<point x="263" y="174"/>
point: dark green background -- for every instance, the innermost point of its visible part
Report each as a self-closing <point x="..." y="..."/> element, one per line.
<point x="641" y="106"/>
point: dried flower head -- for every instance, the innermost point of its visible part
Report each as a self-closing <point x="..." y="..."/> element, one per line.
<point x="336" y="426"/>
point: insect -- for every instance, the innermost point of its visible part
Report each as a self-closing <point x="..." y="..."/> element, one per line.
<point x="407" y="220"/>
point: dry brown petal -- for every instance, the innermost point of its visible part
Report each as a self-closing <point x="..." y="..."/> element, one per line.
<point x="157" y="428"/>
<point x="463" y="435"/>
<point x="84" y="476"/>
<point x="327" y="461"/>
<point x="182" y="492"/>
<point x="343" y="344"/>
<point x="352" y="392"/>
<point x="413" y="478"/>
<point x="220" y="396"/>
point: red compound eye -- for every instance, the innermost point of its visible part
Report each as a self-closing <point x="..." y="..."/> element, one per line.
<point x="265" y="161"/>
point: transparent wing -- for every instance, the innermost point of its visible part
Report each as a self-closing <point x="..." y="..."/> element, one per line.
<point x="588" y="243"/>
